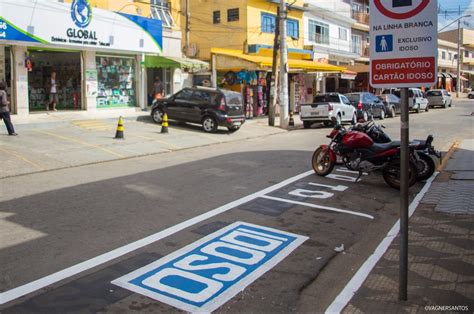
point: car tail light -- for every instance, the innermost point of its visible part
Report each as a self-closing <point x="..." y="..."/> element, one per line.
<point x="359" y="105"/>
<point x="330" y="107"/>
<point x="222" y="105"/>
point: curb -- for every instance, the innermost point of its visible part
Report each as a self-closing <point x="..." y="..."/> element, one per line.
<point x="448" y="156"/>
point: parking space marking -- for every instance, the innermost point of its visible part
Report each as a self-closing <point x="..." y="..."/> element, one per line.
<point x="204" y="275"/>
<point x="69" y="139"/>
<point x="345" y="296"/>
<point x="41" y="283"/>
<point x="26" y="160"/>
<point x="278" y="199"/>
<point x="351" y="171"/>
<point x="172" y="146"/>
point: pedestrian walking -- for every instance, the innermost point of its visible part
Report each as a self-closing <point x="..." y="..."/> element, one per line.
<point x="4" y="111"/>
<point x="52" y="87"/>
<point x="158" y="88"/>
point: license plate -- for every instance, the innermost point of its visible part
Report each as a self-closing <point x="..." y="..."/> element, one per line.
<point x="237" y="123"/>
<point x="315" y="112"/>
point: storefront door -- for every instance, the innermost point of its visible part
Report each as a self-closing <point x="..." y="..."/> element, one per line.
<point x="67" y="66"/>
<point x="6" y="72"/>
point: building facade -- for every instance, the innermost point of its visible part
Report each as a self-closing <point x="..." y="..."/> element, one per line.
<point x="98" y="50"/>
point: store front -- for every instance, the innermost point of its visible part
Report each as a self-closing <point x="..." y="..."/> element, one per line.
<point x="97" y="56"/>
<point x="67" y="66"/>
<point x="250" y="75"/>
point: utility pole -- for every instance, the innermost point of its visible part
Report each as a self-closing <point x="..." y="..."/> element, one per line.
<point x="187" y="29"/>
<point x="283" y="67"/>
<point x="458" y="83"/>
<point x="272" y="90"/>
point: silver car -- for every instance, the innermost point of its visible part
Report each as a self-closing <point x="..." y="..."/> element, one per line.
<point x="439" y="98"/>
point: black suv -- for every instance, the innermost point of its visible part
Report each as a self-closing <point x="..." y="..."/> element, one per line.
<point x="211" y="107"/>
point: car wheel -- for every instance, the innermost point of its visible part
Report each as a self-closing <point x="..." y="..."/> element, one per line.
<point x="157" y="115"/>
<point x="471" y="96"/>
<point x="392" y="112"/>
<point x="209" y="124"/>
<point x="427" y="108"/>
<point x="354" y="119"/>
<point x="307" y="124"/>
<point x="418" y="110"/>
<point x="366" y="116"/>
<point x="450" y="103"/>
<point x="382" y="114"/>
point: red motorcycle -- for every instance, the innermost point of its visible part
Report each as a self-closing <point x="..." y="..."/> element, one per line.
<point x="358" y="152"/>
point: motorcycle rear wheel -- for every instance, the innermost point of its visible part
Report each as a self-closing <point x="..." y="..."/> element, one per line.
<point x="391" y="174"/>
<point x="322" y="163"/>
<point x="428" y="167"/>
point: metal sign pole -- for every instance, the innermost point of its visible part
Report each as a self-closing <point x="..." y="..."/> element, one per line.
<point x="404" y="162"/>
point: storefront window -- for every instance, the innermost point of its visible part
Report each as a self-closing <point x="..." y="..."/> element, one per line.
<point x="67" y="90"/>
<point x="116" y="82"/>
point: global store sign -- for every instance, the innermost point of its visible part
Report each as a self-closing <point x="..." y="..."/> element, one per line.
<point x="79" y="25"/>
<point x="403" y="43"/>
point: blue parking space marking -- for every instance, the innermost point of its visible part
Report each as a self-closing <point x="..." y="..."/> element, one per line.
<point x="205" y="274"/>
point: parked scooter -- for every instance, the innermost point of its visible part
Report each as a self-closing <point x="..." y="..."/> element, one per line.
<point x="360" y="153"/>
<point x="423" y="148"/>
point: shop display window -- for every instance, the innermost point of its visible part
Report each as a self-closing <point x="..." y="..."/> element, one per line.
<point x="116" y="82"/>
<point x="67" y="66"/>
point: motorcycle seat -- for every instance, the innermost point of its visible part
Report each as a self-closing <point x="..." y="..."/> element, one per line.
<point x="377" y="147"/>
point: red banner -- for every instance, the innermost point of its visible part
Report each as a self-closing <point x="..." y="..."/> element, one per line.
<point x="407" y="70"/>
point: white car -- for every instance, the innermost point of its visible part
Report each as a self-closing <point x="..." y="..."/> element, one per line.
<point x="416" y="99"/>
<point x="327" y="108"/>
<point x="439" y="97"/>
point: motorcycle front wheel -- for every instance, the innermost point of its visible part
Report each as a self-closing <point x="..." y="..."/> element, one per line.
<point x="391" y="174"/>
<point x="321" y="162"/>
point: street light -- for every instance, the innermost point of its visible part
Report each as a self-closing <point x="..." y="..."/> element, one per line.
<point x="458" y="82"/>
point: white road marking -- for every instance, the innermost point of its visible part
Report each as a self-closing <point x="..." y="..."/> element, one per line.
<point x="38" y="284"/>
<point x="358" y="279"/>
<point x="318" y="206"/>
<point x="351" y="171"/>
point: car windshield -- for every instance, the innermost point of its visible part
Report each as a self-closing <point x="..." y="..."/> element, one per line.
<point x="434" y="93"/>
<point x="326" y="98"/>
<point x="353" y="97"/>
<point x="232" y="98"/>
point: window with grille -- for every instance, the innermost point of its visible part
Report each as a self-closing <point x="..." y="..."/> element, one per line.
<point x="160" y="10"/>
<point x="342" y="33"/>
<point x="232" y="15"/>
<point x="268" y="23"/>
<point x="356" y="44"/>
<point x="318" y="32"/>
<point x="216" y="17"/>
<point x="292" y="28"/>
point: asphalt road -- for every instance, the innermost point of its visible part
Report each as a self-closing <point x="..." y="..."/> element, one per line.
<point x="51" y="221"/>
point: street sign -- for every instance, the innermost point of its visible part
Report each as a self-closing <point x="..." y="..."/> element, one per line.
<point x="403" y="43"/>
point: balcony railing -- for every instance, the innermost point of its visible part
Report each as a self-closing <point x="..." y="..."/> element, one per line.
<point x="361" y="17"/>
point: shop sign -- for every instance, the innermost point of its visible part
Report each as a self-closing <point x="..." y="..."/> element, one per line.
<point x="346" y="76"/>
<point x="79" y="25"/>
<point x="204" y="275"/>
<point x="403" y="43"/>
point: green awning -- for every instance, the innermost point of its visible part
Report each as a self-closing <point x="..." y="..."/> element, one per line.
<point x="175" y="62"/>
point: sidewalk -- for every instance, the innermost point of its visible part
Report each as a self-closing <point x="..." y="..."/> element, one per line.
<point x="441" y="250"/>
<point x="61" y="140"/>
